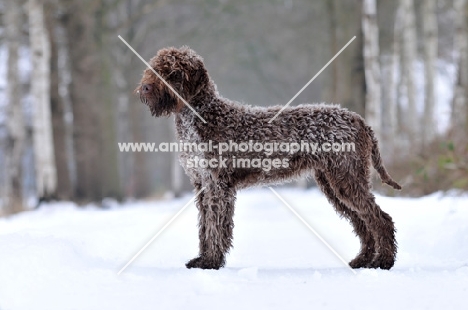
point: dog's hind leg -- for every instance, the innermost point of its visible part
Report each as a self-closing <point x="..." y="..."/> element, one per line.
<point x="382" y="228"/>
<point x="366" y="254"/>
<point x="216" y="211"/>
<point x="355" y="190"/>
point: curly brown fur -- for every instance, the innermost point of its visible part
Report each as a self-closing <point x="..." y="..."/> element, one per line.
<point x="344" y="177"/>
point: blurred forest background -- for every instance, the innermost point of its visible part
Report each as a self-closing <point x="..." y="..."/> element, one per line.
<point x="67" y="81"/>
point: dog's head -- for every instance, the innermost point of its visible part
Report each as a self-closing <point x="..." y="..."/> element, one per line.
<point x="182" y="69"/>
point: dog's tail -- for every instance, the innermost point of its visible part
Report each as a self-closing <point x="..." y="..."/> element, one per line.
<point x="377" y="161"/>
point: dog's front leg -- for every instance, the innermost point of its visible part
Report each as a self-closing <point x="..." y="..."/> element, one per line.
<point x="216" y="209"/>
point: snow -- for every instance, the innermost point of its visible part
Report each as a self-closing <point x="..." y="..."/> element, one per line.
<point x="65" y="257"/>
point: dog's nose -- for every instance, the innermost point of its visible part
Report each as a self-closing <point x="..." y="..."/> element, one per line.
<point x="146" y="88"/>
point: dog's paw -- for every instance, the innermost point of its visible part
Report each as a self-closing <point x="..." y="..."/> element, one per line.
<point x="361" y="261"/>
<point x="382" y="262"/>
<point x="193" y="263"/>
<point x="205" y="263"/>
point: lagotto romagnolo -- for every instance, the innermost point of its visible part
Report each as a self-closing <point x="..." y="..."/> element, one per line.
<point x="344" y="177"/>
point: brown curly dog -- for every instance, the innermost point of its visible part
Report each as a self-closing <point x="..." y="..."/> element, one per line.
<point x="344" y="177"/>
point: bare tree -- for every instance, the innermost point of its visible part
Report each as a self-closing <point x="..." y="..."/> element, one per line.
<point x="122" y="57"/>
<point x="372" y="67"/>
<point x="14" y="119"/>
<point x="64" y="81"/>
<point x="122" y="121"/>
<point x="46" y="175"/>
<point x="61" y="132"/>
<point x="347" y="81"/>
<point x="408" y="59"/>
<point x="459" y="110"/>
<point x="82" y="23"/>
<point x="430" y="61"/>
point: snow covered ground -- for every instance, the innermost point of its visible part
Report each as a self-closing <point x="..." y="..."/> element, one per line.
<point x="63" y="257"/>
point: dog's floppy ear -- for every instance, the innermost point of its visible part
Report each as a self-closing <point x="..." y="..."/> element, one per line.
<point x="198" y="75"/>
<point x="198" y="80"/>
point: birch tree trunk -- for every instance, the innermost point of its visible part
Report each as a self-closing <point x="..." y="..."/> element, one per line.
<point x="459" y="109"/>
<point x="372" y="67"/>
<point x="46" y="175"/>
<point x="429" y="125"/>
<point x="14" y="117"/>
<point x="390" y="107"/>
<point x="407" y="75"/>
